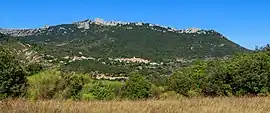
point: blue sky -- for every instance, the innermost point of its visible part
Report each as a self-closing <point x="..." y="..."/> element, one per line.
<point x="246" y="22"/>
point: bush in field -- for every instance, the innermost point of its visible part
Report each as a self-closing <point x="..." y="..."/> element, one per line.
<point x="54" y="84"/>
<point x="180" y="82"/>
<point x="188" y="78"/>
<point x="251" y="74"/>
<point x="204" y="77"/>
<point x="103" y="90"/>
<point x="86" y="94"/>
<point x="43" y="85"/>
<point x="243" y="74"/>
<point x="13" y="80"/>
<point x="137" y="87"/>
<point x="71" y="84"/>
<point x="218" y="79"/>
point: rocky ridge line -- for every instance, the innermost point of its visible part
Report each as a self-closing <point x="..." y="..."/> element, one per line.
<point x="86" y="25"/>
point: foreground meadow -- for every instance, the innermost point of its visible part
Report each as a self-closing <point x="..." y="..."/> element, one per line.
<point x="185" y="105"/>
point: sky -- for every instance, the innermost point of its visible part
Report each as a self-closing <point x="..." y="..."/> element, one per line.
<point x="246" y="22"/>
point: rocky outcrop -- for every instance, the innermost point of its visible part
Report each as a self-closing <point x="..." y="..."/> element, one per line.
<point x="83" y="24"/>
<point x="18" y="32"/>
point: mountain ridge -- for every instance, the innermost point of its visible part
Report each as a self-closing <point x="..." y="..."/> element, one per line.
<point x="122" y="47"/>
<point x="98" y="21"/>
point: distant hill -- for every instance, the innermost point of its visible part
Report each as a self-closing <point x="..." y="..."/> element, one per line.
<point x="86" y="40"/>
<point x="24" y="52"/>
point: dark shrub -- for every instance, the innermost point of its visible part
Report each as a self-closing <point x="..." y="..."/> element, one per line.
<point x="12" y="75"/>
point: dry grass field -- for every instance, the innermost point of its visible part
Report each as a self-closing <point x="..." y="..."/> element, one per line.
<point x="185" y="105"/>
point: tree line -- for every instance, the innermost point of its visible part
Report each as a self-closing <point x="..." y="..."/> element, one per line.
<point x="243" y="74"/>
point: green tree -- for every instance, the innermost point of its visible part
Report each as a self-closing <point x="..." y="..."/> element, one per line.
<point x="72" y="84"/>
<point x="188" y="78"/>
<point x="218" y="79"/>
<point x="137" y="87"/>
<point x="105" y="90"/>
<point x="251" y="74"/>
<point x="13" y="80"/>
<point x="180" y="82"/>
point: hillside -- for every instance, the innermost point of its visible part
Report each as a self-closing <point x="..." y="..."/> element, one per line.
<point x="25" y="53"/>
<point x="89" y="46"/>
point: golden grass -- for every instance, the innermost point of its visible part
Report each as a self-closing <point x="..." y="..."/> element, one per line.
<point x="185" y="105"/>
